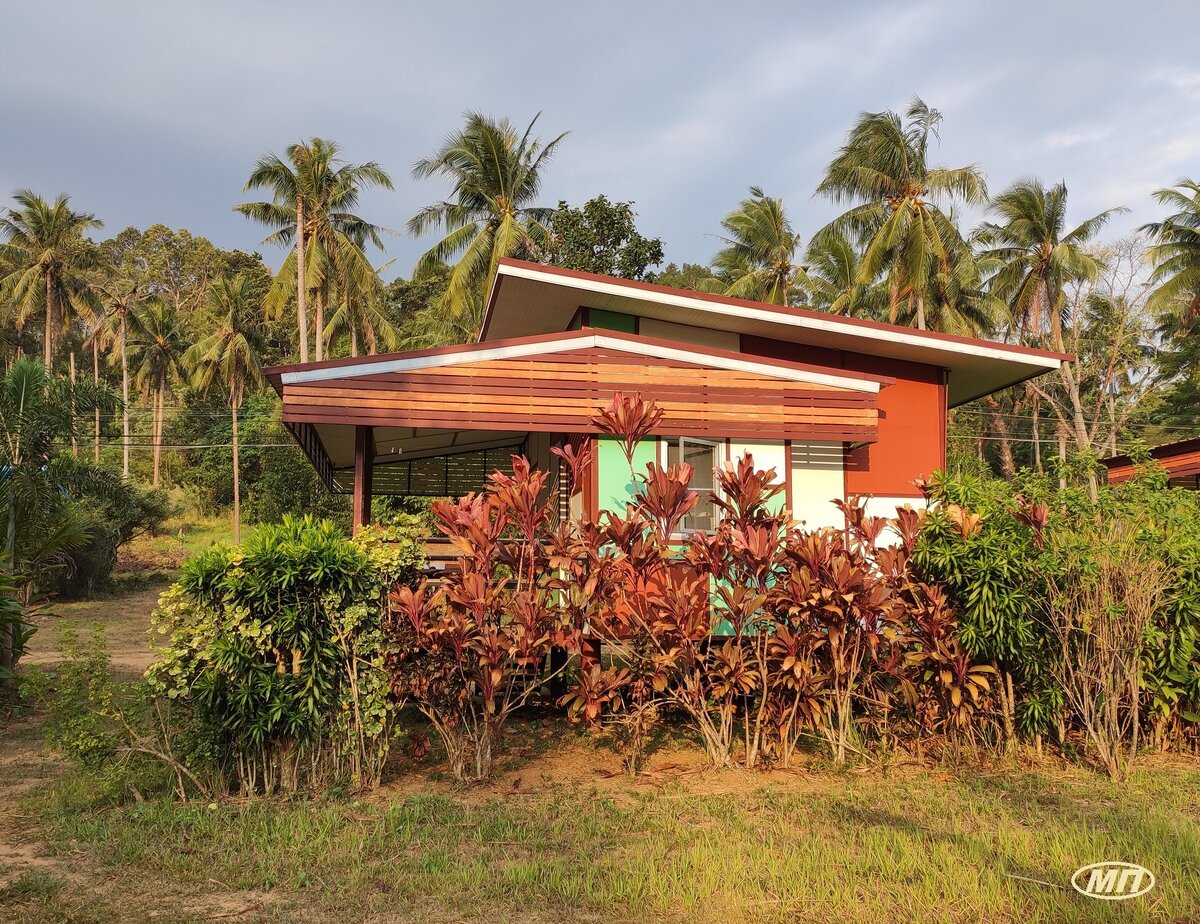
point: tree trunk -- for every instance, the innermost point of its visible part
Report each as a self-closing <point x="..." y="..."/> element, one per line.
<point x="48" y="343"/>
<point x="1008" y="465"/>
<point x="1037" y="438"/>
<point x="237" y="500"/>
<point x="319" y="324"/>
<point x="124" y="403"/>
<point x="920" y="312"/>
<point x="74" y="435"/>
<point x="353" y="340"/>
<point x="158" y="432"/>
<point x="96" y="409"/>
<point x="1062" y="453"/>
<point x="1083" y="440"/>
<point x="301" y="282"/>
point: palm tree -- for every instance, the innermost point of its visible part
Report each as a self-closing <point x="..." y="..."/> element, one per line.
<point x="883" y="171"/>
<point x="1036" y="256"/>
<point x="157" y="349"/>
<point x="360" y="313"/>
<point x="229" y="355"/>
<point x="45" y="243"/>
<point x="760" y="250"/>
<point x="496" y="176"/>
<point x="120" y="298"/>
<point x="314" y="193"/>
<point x="1035" y="259"/>
<point x="1176" y="250"/>
<point x="833" y="278"/>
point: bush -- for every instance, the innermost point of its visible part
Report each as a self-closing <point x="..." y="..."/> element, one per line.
<point x="1015" y="557"/>
<point x="474" y="651"/>
<point x="115" y="511"/>
<point x="274" y="648"/>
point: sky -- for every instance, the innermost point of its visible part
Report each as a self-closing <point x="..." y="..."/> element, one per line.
<point x="150" y="112"/>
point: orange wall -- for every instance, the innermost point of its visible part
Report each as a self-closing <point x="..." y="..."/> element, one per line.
<point x="912" y="417"/>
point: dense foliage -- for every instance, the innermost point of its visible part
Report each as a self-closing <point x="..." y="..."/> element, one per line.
<point x="274" y="649"/>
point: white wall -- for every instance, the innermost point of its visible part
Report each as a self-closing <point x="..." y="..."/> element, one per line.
<point x="683" y="333"/>
<point x="766" y="454"/>
<point x="817" y="480"/>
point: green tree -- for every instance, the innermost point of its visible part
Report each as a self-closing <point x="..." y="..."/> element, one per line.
<point x="229" y="355"/>
<point x="758" y="258"/>
<point x="601" y="237"/>
<point x="833" y="280"/>
<point x="314" y="194"/>
<point x="157" y="349"/>
<point x="1176" y="251"/>
<point x="360" y="312"/>
<point x="45" y="245"/>
<point x="693" y="276"/>
<point x="1037" y="256"/>
<point x="884" y="173"/>
<point x="41" y="523"/>
<point x="495" y="173"/>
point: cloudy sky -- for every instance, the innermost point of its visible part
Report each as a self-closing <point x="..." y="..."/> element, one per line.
<point x="155" y="111"/>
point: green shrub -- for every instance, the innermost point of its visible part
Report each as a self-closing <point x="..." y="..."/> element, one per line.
<point x="78" y="692"/>
<point x="275" y="648"/>
<point x="997" y="547"/>
<point x="115" y="511"/>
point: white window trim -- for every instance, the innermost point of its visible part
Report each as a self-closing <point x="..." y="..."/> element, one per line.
<point x="717" y="445"/>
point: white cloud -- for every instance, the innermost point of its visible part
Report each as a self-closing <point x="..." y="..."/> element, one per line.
<point x="1070" y="138"/>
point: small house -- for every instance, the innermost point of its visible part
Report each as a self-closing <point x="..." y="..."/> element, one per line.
<point x="837" y="406"/>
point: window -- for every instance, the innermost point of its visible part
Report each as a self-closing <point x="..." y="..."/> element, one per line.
<point x="701" y="455"/>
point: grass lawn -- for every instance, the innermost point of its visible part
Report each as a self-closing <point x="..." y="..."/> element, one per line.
<point x="559" y="836"/>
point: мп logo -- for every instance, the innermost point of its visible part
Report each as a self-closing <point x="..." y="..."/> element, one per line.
<point x="1113" y="880"/>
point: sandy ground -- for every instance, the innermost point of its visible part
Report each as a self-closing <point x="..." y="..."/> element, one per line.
<point x="125" y="619"/>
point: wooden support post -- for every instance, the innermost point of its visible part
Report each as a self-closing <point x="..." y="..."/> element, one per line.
<point x="364" y="468"/>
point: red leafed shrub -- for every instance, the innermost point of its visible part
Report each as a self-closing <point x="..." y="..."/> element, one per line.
<point x="759" y="632"/>
<point x="471" y="652"/>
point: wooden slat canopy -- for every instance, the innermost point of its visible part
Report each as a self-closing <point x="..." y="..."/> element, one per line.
<point x="556" y="384"/>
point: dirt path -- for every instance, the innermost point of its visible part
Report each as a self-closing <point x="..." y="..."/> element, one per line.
<point x="26" y="763"/>
<point x="125" y="620"/>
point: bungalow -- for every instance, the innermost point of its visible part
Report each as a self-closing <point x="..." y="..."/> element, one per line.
<point x="837" y="406"/>
<point x="1181" y="460"/>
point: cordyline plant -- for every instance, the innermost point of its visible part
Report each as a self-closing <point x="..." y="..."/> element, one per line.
<point x="470" y="653"/>
<point x="759" y="632"/>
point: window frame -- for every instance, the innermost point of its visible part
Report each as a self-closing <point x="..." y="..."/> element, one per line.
<point x="679" y="442"/>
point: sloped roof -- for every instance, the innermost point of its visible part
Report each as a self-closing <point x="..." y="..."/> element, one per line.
<point x="532" y="299"/>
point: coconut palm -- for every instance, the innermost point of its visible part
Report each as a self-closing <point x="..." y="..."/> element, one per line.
<point x="495" y="173"/>
<point x="883" y="172"/>
<point x="156" y="349"/>
<point x="314" y="193"/>
<point x="360" y="314"/>
<point x="833" y="279"/>
<point x="1036" y="255"/>
<point x="760" y="250"/>
<point x="45" y="245"/>
<point x="119" y="299"/>
<point x="229" y="355"/>
<point x="1176" y="250"/>
<point x="341" y="277"/>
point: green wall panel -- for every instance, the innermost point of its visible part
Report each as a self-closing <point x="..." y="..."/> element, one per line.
<point x="612" y="320"/>
<point x="612" y="471"/>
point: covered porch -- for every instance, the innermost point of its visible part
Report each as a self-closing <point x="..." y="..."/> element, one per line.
<point x="436" y="422"/>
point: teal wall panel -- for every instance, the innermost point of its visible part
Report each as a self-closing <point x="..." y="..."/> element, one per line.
<point x="612" y="470"/>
